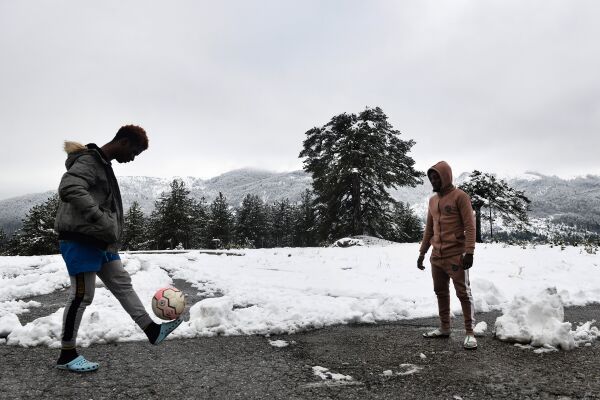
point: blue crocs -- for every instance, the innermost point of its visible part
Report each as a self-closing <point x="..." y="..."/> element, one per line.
<point x="79" y="364"/>
<point x="166" y="329"/>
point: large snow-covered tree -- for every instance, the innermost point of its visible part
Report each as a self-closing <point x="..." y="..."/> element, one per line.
<point x="495" y="195"/>
<point x="354" y="160"/>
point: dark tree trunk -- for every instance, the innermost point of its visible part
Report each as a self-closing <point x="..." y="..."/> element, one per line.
<point x="491" y="225"/>
<point x="356" y="222"/>
<point x="478" y="238"/>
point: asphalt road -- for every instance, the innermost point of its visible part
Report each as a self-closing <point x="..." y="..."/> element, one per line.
<point x="249" y="367"/>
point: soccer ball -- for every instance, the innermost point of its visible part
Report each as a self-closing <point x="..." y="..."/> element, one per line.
<point x="168" y="303"/>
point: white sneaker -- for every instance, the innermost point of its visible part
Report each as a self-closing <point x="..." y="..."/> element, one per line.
<point x="436" y="333"/>
<point x="470" y="342"/>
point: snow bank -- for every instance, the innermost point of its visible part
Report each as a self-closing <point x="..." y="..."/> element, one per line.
<point x="539" y="322"/>
<point x="8" y="323"/>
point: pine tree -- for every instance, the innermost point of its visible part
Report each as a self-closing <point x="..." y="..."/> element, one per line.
<point x="135" y="230"/>
<point x="3" y="242"/>
<point x="306" y="222"/>
<point x="250" y="228"/>
<point x="281" y="223"/>
<point x="498" y="198"/>
<point x="200" y="218"/>
<point x="173" y="219"/>
<point x="37" y="236"/>
<point x="406" y="225"/>
<point x="354" y="161"/>
<point x="13" y="246"/>
<point x="220" y="223"/>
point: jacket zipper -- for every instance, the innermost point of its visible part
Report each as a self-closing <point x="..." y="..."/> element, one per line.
<point x="440" y="225"/>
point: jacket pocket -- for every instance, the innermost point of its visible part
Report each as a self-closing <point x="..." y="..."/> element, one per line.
<point x="460" y="237"/>
<point x="106" y="228"/>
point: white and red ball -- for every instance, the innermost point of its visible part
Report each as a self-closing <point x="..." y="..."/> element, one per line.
<point x="168" y="303"/>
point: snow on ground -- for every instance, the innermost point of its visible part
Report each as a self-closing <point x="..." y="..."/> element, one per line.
<point x="17" y="306"/>
<point x="274" y="291"/>
<point x="22" y="277"/>
<point x="324" y="373"/>
<point x="480" y="328"/>
<point x="329" y="378"/>
<point x="278" y="343"/>
<point x="405" y="369"/>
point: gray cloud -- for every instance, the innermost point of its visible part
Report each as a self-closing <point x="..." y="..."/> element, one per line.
<point x="501" y="86"/>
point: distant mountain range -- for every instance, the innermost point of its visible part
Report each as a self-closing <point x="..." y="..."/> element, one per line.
<point x="574" y="200"/>
<point x="270" y="186"/>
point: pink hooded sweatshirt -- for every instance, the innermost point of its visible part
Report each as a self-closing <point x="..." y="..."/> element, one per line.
<point x="450" y="225"/>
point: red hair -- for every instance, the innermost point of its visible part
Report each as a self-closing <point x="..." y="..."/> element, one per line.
<point x="134" y="133"/>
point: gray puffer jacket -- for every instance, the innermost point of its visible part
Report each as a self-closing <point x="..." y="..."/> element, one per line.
<point x="90" y="208"/>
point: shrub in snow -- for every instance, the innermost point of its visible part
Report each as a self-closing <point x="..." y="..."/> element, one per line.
<point x="348" y="242"/>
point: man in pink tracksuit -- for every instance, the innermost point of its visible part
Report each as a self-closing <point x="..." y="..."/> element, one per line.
<point x="450" y="230"/>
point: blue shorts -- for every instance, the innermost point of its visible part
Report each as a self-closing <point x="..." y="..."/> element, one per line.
<point x="81" y="257"/>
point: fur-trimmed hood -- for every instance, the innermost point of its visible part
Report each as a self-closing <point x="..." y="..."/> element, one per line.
<point x="73" y="147"/>
<point x="75" y="150"/>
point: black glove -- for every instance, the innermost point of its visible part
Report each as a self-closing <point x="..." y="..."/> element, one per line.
<point x="467" y="261"/>
<point x="420" y="262"/>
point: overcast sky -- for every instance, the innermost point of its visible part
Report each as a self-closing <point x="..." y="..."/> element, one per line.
<point x="499" y="86"/>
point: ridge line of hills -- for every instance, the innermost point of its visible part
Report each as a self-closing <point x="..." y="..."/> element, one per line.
<point x="563" y="200"/>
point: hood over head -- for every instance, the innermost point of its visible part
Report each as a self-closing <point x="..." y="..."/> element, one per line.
<point x="445" y="172"/>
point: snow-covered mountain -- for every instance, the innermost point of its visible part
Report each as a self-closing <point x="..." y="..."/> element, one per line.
<point x="575" y="200"/>
<point x="270" y="186"/>
<point x="234" y="185"/>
